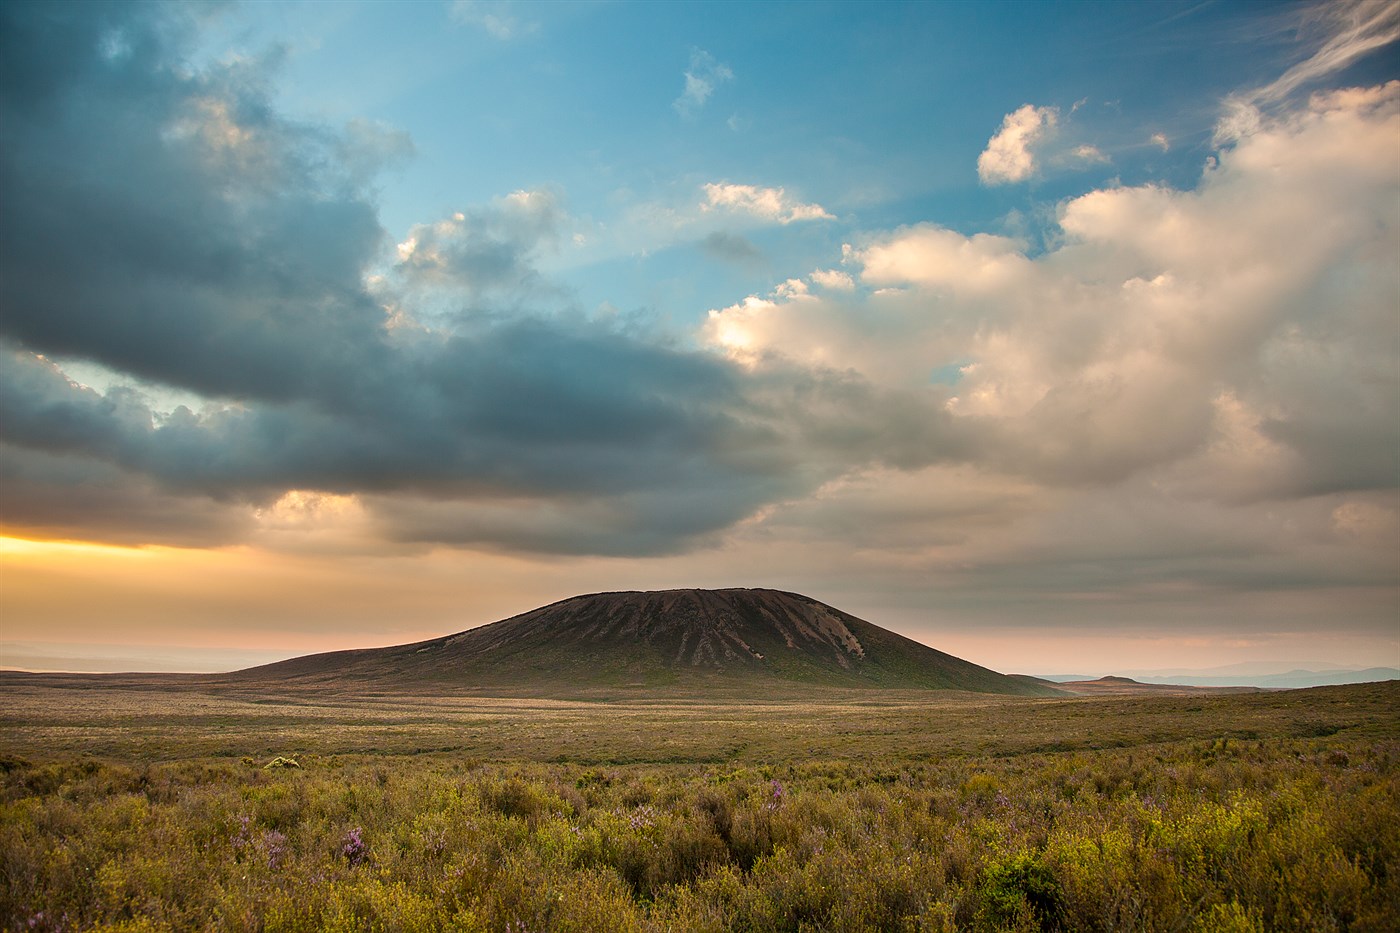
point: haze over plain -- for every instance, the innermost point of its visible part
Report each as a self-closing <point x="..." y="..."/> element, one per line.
<point x="1058" y="338"/>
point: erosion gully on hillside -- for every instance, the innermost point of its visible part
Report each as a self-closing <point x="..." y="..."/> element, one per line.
<point x="757" y="640"/>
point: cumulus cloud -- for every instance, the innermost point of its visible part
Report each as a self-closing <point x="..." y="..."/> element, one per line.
<point x="484" y="249"/>
<point x="770" y="204"/>
<point x="1010" y="155"/>
<point x="703" y="76"/>
<point x="527" y="419"/>
<point x="833" y="279"/>
<point x="1167" y="333"/>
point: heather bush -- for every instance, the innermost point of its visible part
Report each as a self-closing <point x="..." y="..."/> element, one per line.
<point x="1277" y="834"/>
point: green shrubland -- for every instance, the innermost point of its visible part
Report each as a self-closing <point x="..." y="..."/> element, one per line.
<point x="1276" y="833"/>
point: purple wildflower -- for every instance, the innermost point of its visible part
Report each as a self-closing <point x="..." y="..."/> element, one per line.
<point x="274" y="846"/>
<point x="353" y="848"/>
<point x="243" y="839"/>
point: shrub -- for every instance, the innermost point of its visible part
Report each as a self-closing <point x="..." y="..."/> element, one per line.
<point x="1278" y="834"/>
<point x="1022" y="890"/>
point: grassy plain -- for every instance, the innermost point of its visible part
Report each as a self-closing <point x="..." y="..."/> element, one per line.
<point x="148" y="808"/>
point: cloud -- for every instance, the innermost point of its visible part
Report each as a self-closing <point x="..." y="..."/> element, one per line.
<point x="499" y="19"/>
<point x="1220" y="340"/>
<point x="1353" y="28"/>
<point x="543" y="414"/>
<point x="718" y="221"/>
<point x="1089" y="154"/>
<point x="771" y="204"/>
<point x="534" y="436"/>
<point x="231" y="254"/>
<point x="484" y="249"/>
<point x="833" y="279"/>
<point x="1349" y="30"/>
<point x="367" y="147"/>
<point x="77" y="497"/>
<point x="1009" y="156"/>
<point x="221" y="248"/>
<point x="731" y="247"/>
<point x="1185" y="391"/>
<point x="701" y="78"/>
<point x="1032" y="139"/>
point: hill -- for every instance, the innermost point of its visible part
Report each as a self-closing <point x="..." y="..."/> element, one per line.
<point x="1126" y="686"/>
<point x="1287" y="679"/>
<point x="709" y="639"/>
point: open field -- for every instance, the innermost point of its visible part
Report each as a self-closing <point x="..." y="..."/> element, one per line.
<point x="171" y="719"/>
<point x="147" y="807"/>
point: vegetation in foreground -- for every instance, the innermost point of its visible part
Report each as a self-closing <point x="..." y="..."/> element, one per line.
<point x="1276" y="832"/>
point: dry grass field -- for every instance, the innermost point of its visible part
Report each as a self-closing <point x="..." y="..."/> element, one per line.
<point x="149" y="806"/>
<point x="158" y="720"/>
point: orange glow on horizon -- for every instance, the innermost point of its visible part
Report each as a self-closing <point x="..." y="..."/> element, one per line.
<point x="22" y="548"/>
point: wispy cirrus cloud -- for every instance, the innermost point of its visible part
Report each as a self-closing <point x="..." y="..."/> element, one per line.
<point x="704" y="75"/>
<point x="1346" y="31"/>
<point x="500" y="19"/>
<point x="1352" y="29"/>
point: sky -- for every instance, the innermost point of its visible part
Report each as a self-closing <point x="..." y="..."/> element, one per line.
<point x="1060" y="337"/>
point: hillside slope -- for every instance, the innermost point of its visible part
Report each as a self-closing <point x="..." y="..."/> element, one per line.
<point x="699" y="638"/>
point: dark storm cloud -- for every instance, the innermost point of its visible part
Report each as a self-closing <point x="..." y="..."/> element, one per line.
<point x="533" y="436"/>
<point x="170" y="225"/>
<point x="61" y="496"/>
<point x="1341" y="455"/>
<point x="649" y="523"/>
<point x="523" y="409"/>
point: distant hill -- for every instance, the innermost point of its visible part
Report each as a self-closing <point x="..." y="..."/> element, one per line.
<point x="1120" y="686"/>
<point x="746" y="638"/>
<point x="1224" y="677"/>
<point x="1289" y="679"/>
